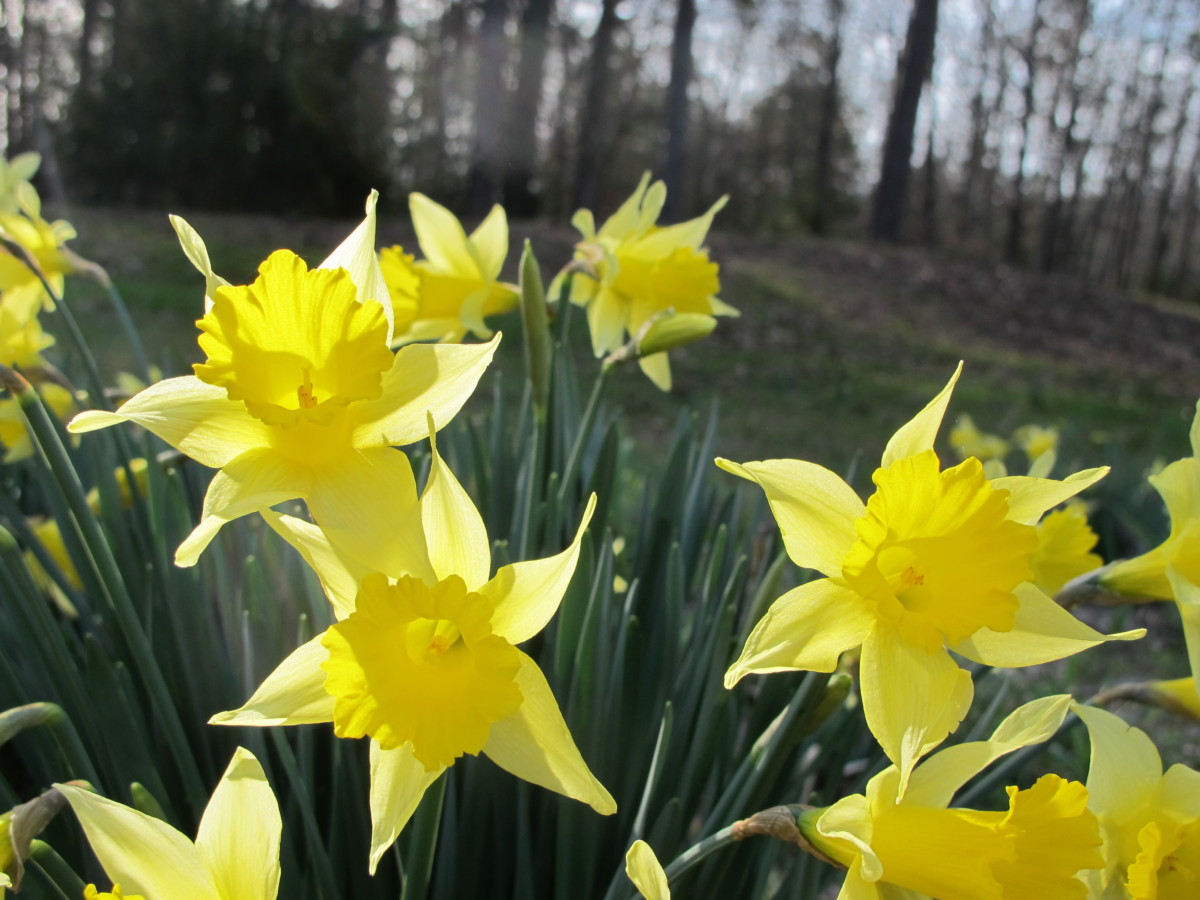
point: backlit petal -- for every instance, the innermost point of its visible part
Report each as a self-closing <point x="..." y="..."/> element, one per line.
<point x="489" y="243"/>
<point x="607" y="315"/>
<point x="195" y="418"/>
<point x="646" y="872"/>
<point x="527" y="594"/>
<point x="256" y="480"/>
<point x="294" y="694"/>
<point x="919" y="433"/>
<point x="807" y="628"/>
<point x="1125" y="767"/>
<point x="815" y="509"/>
<point x="197" y="254"/>
<point x="1042" y="631"/>
<point x="340" y="575"/>
<point x="398" y="781"/>
<point x="367" y="506"/>
<point x="1187" y="597"/>
<point x="1030" y="497"/>
<point x="454" y="530"/>
<point x="356" y="254"/>
<point x="912" y="698"/>
<point x="936" y="780"/>
<point x="425" y="378"/>
<point x="691" y="233"/>
<point x="535" y="745"/>
<point x="141" y="853"/>
<point x="657" y="367"/>
<point x="441" y="237"/>
<point x="240" y="831"/>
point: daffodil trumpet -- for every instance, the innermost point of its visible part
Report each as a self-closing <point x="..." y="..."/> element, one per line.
<point x="429" y="668"/>
<point x="937" y="561"/>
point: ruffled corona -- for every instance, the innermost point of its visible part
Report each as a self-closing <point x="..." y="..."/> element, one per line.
<point x="296" y="344"/>
<point x="91" y="893"/>
<point x="420" y="665"/>
<point x="937" y="552"/>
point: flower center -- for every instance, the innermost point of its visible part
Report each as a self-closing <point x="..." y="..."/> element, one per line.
<point x="936" y="552"/>
<point x="296" y="345"/>
<point x="1167" y="866"/>
<point x="419" y="665"/>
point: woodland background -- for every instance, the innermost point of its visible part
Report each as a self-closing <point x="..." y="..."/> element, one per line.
<point x="1054" y="135"/>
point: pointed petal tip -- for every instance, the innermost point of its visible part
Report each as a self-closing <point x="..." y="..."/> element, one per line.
<point x="93" y="420"/>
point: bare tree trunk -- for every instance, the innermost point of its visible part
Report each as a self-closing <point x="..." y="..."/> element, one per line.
<point x="1016" y="216"/>
<point x="929" y="175"/>
<point x="483" y="177"/>
<point x="912" y="71"/>
<point x="980" y="122"/>
<point x="520" y="162"/>
<point x="594" y="115"/>
<point x="675" y="118"/>
<point x="830" y="96"/>
<point x="1159" y="235"/>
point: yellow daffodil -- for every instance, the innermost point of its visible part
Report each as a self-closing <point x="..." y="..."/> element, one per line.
<point x="14" y="179"/>
<point x="44" y="241"/>
<point x="646" y="872"/>
<point x="1036" y="439"/>
<point x="450" y="291"/>
<point x="935" y="561"/>
<point x="235" y="855"/>
<point x="92" y="893"/>
<point x="22" y="339"/>
<point x="14" y="432"/>
<point x="429" y="669"/>
<point x="904" y="844"/>
<point x="632" y="271"/>
<point x="300" y="396"/>
<point x="968" y="440"/>
<point x="1064" y="548"/>
<point x="1150" y="820"/>
<point x="1171" y="571"/>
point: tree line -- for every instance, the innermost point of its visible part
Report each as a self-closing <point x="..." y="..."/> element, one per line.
<point x="1060" y="135"/>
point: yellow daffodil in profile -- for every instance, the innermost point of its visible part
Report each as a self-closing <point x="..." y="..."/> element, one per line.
<point x="235" y="855"/>
<point x="1171" y="571"/>
<point x="1150" y="820"/>
<point x="301" y="396"/>
<point x="44" y="241"/>
<point x="935" y="561"/>
<point x="1064" y="548"/>
<point x="429" y="669"/>
<point x="632" y="271"/>
<point x="1036" y="440"/>
<point x="969" y="440"/>
<point x="456" y="286"/>
<point x="899" y="844"/>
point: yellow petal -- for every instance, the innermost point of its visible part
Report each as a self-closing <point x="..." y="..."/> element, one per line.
<point x="1194" y="434"/>
<point x="356" y="254"/>
<point x="847" y="825"/>
<point x="658" y="369"/>
<point x="1187" y="597"/>
<point x="488" y="243"/>
<point x="1125" y="767"/>
<point x="807" y="628"/>
<point x="340" y="575"/>
<point x="626" y="218"/>
<point x="434" y="379"/>
<point x="441" y="237"/>
<point x="239" y="833"/>
<point x="815" y="509"/>
<point x="367" y="507"/>
<point x="527" y="594"/>
<point x="1042" y="631"/>
<point x="454" y="530"/>
<point x="197" y="254"/>
<point x="294" y="694"/>
<point x="398" y="781"/>
<point x="608" y="314"/>
<point x="936" y="780"/>
<point x="691" y="233"/>
<point x="535" y="745"/>
<point x="646" y="872"/>
<point x="142" y="854"/>
<point x="195" y="418"/>
<point x="912" y="698"/>
<point x="1030" y="497"/>
<point x="1179" y="793"/>
<point x="256" y="480"/>
<point x="919" y="433"/>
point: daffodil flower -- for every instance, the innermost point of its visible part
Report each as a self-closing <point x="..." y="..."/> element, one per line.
<point x="646" y="872"/>
<point x="1171" y="571"/>
<point x="1150" y="820"/>
<point x="632" y="271"/>
<point x="1064" y="548"/>
<point x="935" y="561"/>
<point x="968" y="440"/>
<point x="235" y="855"/>
<point x="456" y="286"/>
<point x="429" y="669"/>
<point x="301" y="396"/>
<point x="904" y="844"/>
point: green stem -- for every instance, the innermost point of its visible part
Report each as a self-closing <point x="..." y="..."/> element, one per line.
<point x="57" y="873"/>
<point x="127" y="325"/>
<point x="426" y="824"/>
<point x="575" y="458"/>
